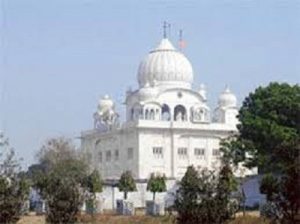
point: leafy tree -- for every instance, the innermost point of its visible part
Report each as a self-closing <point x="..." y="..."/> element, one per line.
<point x="60" y="180"/>
<point x="126" y="183"/>
<point x="204" y="197"/>
<point x="93" y="183"/>
<point x="156" y="183"/>
<point x="227" y="184"/>
<point x="14" y="188"/>
<point x="270" y="133"/>
<point x="270" y="122"/>
<point x="187" y="197"/>
<point x="231" y="159"/>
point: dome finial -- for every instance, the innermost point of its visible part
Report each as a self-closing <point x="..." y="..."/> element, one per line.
<point x="227" y="89"/>
<point x="181" y="42"/>
<point x="166" y="29"/>
<point x="202" y="91"/>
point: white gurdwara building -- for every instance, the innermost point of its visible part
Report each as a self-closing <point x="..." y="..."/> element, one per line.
<point x="168" y="126"/>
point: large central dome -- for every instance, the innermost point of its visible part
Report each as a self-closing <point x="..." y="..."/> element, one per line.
<point x="165" y="66"/>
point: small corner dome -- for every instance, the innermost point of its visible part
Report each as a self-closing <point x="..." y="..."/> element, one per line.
<point x="148" y="92"/>
<point x="166" y="66"/>
<point x="105" y="103"/>
<point x="227" y="99"/>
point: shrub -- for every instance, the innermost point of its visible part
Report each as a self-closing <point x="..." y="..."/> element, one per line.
<point x="204" y="197"/>
<point x="126" y="183"/>
<point x="60" y="180"/>
<point x="14" y="188"/>
<point x="156" y="183"/>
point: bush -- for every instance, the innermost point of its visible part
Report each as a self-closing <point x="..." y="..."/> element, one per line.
<point x="126" y="183"/>
<point x="60" y="180"/>
<point x="14" y="188"/>
<point x="156" y="183"/>
<point x="205" y="197"/>
<point x="93" y="183"/>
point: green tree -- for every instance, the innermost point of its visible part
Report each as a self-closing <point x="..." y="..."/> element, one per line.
<point x="14" y="188"/>
<point x="60" y="180"/>
<point x="187" y="197"/>
<point x="126" y="183"/>
<point x="231" y="159"/>
<point x="94" y="184"/>
<point x="204" y="197"/>
<point x="156" y="183"/>
<point x="270" y="134"/>
<point x="227" y="184"/>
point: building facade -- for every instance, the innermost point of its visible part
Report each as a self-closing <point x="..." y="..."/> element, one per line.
<point x="169" y="125"/>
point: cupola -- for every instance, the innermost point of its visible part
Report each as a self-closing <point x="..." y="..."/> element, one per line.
<point x="166" y="66"/>
<point x="227" y="99"/>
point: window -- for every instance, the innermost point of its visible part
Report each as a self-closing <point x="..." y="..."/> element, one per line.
<point x="100" y="157"/>
<point x="116" y="154"/>
<point x="180" y="113"/>
<point x="216" y="152"/>
<point x="165" y="113"/>
<point x="199" y="152"/>
<point x="108" y="156"/>
<point x="157" y="152"/>
<point x="130" y="153"/>
<point x="132" y="114"/>
<point x="182" y="152"/>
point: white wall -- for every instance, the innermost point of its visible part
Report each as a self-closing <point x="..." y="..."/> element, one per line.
<point x="119" y="140"/>
<point x="112" y="194"/>
<point x="139" y="197"/>
<point x="149" y="163"/>
<point x="171" y="163"/>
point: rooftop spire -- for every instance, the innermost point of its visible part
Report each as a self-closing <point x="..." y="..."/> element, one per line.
<point x="181" y="41"/>
<point x="166" y="29"/>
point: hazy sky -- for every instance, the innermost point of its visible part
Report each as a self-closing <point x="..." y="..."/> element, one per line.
<point x="59" y="56"/>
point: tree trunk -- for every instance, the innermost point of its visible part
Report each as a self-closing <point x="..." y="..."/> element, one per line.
<point x="125" y="195"/>
<point x="244" y="202"/>
<point x="154" y="196"/>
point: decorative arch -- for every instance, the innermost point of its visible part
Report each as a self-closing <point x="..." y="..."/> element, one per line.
<point x="146" y="114"/>
<point x="200" y="114"/>
<point x="152" y="114"/>
<point x="165" y="113"/>
<point x="180" y="113"/>
<point x="132" y="114"/>
<point x="137" y="113"/>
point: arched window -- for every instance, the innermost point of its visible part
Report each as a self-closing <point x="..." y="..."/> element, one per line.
<point x="200" y="114"/>
<point x="132" y="114"/>
<point x="136" y="113"/>
<point x="141" y="113"/>
<point x="180" y="113"/>
<point x="157" y="117"/>
<point x="165" y="113"/>
<point x="152" y="114"/>
<point x="147" y="114"/>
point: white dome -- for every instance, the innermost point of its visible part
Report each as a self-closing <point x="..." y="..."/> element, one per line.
<point x="227" y="99"/>
<point x="105" y="103"/>
<point x="147" y="92"/>
<point x="166" y="66"/>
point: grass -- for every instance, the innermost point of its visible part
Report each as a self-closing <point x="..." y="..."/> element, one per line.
<point x="249" y="220"/>
<point x="138" y="219"/>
